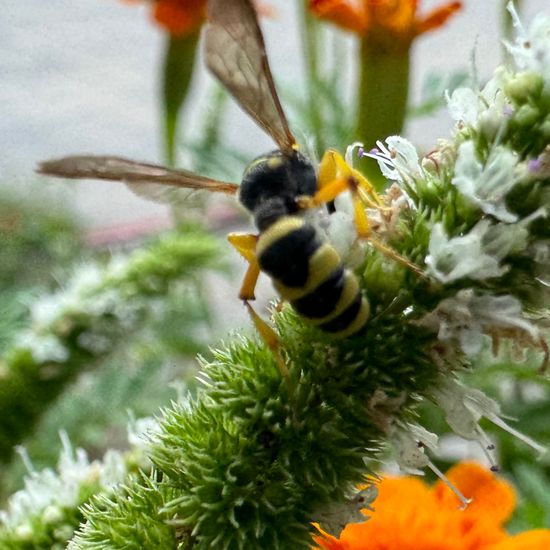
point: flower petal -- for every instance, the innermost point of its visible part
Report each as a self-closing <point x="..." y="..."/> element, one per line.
<point x="179" y="17"/>
<point x="530" y="540"/>
<point x="493" y="498"/>
<point x="347" y="14"/>
<point x="436" y="18"/>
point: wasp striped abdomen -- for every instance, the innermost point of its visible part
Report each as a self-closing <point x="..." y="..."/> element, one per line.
<point x="308" y="273"/>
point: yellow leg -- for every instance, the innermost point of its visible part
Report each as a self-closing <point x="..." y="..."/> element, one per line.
<point x="330" y="191"/>
<point x="269" y="336"/>
<point x="328" y="168"/>
<point x="360" y="216"/>
<point x="335" y="177"/>
<point x="245" y="245"/>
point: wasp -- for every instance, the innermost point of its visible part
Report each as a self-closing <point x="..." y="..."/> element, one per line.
<point x="276" y="188"/>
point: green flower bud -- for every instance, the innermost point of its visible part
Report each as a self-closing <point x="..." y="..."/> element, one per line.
<point x="490" y="123"/>
<point x="64" y="532"/>
<point x="24" y="532"/>
<point x="52" y="514"/>
<point x="524" y="86"/>
<point x="383" y="276"/>
<point x="544" y="128"/>
<point x="527" y="115"/>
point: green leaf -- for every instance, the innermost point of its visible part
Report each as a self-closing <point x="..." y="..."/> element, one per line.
<point x="179" y="61"/>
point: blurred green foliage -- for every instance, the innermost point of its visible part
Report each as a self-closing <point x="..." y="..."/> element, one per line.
<point x="43" y="246"/>
<point x="37" y="240"/>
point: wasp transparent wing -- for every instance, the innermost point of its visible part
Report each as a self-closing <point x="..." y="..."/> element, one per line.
<point x="235" y="53"/>
<point x="148" y="180"/>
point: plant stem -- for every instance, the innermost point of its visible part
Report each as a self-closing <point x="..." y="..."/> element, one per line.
<point x="382" y="96"/>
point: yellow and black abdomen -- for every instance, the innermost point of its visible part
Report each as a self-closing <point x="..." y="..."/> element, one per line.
<point x="309" y="274"/>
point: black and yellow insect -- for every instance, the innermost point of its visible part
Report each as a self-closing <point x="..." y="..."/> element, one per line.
<point x="276" y="188"/>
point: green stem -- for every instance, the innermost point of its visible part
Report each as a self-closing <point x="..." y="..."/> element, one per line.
<point x="382" y="97"/>
<point x="179" y="62"/>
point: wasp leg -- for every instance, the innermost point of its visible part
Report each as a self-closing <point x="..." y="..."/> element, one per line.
<point x="333" y="166"/>
<point x="270" y="337"/>
<point x="245" y="245"/>
<point x="335" y="177"/>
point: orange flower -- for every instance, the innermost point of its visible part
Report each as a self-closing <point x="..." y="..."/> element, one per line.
<point x="396" y="16"/>
<point x="180" y="17"/>
<point x="409" y="515"/>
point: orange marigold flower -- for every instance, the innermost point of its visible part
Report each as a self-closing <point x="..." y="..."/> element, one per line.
<point x="409" y="515"/>
<point x="180" y="17"/>
<point x="396" y="16"/>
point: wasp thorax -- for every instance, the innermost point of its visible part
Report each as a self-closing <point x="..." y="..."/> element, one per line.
<point x="272" y="183"/>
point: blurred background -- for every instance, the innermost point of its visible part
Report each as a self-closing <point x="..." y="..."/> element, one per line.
<point x="86" y="77"/>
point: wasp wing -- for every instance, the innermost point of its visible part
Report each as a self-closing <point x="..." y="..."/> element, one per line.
<point x="144" y="179"/>
<point x="235" y="53"/>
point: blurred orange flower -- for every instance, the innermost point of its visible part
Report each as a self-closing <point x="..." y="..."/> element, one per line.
<point x="399" y="17"/>
<point x="180" y="17"/>
<point x="410" y="515"/>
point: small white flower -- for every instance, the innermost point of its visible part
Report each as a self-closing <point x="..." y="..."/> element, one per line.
<point x="43" y="348"/>
<point x="46" y="311"/>
<point x="398" y="161"/>
<point x="531" y="49"/>
<point x="141" y="431"/>
<point x="93" y="342"/>
<point x="466" y="317"/>
<point x="487" y="185"/>
<point x="410" y="442"/>
<point x="487" y="109"/>
<point x="464" y="106"/>
<point x="113" y="469"/>
<point x="462" y="257"/>
<point x="334" y="517"/>
<point x="464" y="407"/>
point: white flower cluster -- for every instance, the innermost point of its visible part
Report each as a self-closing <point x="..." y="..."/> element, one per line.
<point x="48" y="492"/>
<point x="531" y="49"/>
<point x="482" y="174"/>
<point x="86" y="297"/>
<point x="485" y="110"/>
